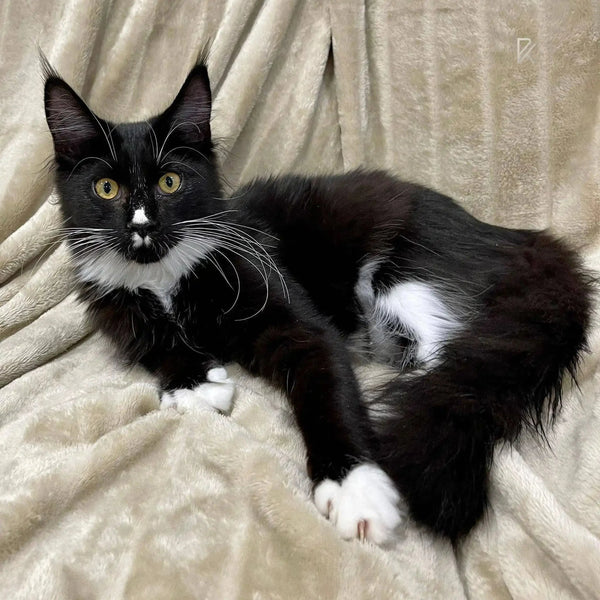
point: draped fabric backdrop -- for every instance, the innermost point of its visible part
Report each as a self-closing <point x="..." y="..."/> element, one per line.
<point x="104" y="496"/>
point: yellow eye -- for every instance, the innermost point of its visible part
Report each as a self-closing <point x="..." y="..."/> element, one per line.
<point x="106" y="188"/>
<point x="169" y="183"/>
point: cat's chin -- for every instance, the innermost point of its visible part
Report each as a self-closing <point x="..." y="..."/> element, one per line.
<point x="145" y="260"/>
<point x="145" y="256"/>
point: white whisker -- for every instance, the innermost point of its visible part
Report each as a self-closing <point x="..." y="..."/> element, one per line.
<point x="169" y="133"/>
<point x="154" y="140"/>
<point x="178" y="162"/>
<point x="88" y="158"/>
<point x="183" y="148"/>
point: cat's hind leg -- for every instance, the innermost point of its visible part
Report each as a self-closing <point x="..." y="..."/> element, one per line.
<point x="500" y="373"/>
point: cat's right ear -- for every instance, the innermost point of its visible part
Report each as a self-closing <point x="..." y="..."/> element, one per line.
<point x="188" y="117"/>
<point x="71" y="122"/>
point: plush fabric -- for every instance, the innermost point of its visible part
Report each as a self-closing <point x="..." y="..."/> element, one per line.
<point x="104" y="496"/>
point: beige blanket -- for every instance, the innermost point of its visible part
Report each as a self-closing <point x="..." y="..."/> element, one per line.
<point x="102" y="495"/>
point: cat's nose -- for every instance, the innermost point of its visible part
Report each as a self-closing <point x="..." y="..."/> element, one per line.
<point x="142" y="229"/>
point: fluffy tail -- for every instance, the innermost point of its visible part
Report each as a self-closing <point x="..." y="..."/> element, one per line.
<point x="438" y="429"/>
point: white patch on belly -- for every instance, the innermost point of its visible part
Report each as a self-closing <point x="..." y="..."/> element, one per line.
<point x="110" y="269"/>
<point x="365" y="505"/>
<point x="419" y="309"/>
<point x="364" y="285"/>
<point x="415" y="311"/>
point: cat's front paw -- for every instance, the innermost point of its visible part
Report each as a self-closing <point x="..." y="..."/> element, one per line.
<point x="364" y="505"/>
<point x="215" y="394"/>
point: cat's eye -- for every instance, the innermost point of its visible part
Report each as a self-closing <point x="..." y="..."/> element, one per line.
<point x="169" y="183"/>
<point x="106" y="188"/>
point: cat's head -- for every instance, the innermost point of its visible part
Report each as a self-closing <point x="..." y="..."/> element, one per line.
<point x="129" y="191"/>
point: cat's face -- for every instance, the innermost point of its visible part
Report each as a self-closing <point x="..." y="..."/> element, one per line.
<point x="130" y="191"/>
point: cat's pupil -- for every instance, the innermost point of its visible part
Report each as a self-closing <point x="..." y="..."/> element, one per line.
<point x="107" y="187"/>
<point x="169" y="181"/>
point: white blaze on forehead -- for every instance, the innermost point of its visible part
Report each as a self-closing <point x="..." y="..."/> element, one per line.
<point x="139" y="217"/>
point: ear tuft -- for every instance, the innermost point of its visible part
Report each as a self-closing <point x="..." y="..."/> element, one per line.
<point x="189" y="115"/>
<point x="71" y="122"/>
<point x="48" y="71"/>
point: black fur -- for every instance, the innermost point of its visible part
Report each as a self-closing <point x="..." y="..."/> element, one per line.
<point x="522" y="296"/>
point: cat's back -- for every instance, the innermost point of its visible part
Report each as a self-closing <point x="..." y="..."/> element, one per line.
<point x="326" y="227"/>
<point x="350" y="213"/>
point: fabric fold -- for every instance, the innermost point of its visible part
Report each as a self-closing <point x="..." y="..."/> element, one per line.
<point x="104" y="496"/>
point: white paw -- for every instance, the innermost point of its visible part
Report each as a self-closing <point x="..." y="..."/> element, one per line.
<point x="366" y="505"/>
<point x="216" y="394"/>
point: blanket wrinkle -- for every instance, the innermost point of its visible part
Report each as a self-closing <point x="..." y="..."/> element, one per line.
<point x="104" y="496"/>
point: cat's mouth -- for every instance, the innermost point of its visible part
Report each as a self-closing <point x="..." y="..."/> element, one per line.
<point x="145" y="249"/>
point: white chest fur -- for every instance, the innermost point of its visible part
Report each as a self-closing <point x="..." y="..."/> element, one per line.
<point x="110" y="270"/>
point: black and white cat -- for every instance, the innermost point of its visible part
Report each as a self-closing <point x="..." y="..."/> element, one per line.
<point x="289" y="273"/>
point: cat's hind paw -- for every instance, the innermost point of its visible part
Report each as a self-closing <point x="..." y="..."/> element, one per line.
<point x="364" y="505"/>
<point x="216" y="394"/>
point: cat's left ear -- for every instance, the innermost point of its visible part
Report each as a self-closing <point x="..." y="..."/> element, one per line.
<point x="188" y="118"/>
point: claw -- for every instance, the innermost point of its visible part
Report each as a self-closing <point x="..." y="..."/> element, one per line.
<point x="362" y="530"/>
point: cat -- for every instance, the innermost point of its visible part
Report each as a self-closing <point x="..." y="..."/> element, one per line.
<point x="291" y="275"/>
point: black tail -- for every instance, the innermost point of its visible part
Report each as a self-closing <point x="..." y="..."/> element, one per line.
<point x="505" y="371"/>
